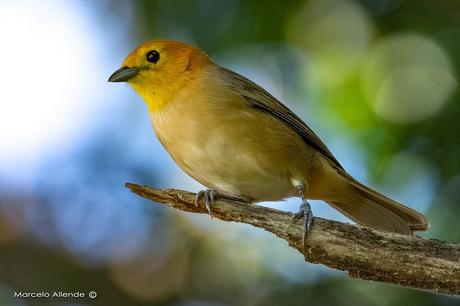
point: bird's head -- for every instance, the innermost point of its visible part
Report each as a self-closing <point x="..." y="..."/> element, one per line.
<point x="156" y="69"/>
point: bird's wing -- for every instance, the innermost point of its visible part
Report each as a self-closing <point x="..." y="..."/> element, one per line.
<point x="259" y="98"/>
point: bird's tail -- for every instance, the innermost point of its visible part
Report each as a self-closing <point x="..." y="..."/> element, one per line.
<point x="372" y="209"/>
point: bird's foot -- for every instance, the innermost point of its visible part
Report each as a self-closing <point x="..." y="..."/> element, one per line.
<point x="209" y="197"/>
<point x="307" y="215"/>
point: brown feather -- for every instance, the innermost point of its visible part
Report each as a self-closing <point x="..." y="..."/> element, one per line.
<point x="259" y="98"/>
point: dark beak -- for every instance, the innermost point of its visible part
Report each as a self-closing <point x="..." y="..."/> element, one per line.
<point x="123" y="74"/>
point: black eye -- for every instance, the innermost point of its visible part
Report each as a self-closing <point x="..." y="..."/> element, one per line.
<point x="153" y="56"/>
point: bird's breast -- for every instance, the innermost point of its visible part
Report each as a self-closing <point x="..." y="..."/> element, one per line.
<point x="230" y="147"/>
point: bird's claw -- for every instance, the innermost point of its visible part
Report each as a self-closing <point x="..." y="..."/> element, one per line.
<point x="209" y="197"/>
<point x="307" y="215"/>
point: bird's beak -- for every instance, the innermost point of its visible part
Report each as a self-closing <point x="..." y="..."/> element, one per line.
<point x="123" y="74"/>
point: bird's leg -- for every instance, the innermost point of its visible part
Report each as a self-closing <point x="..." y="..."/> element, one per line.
<point x="304" y="211"/>
<point x="209" y="197"/>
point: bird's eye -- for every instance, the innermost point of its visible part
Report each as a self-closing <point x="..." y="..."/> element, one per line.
<point x="153" y="56"/>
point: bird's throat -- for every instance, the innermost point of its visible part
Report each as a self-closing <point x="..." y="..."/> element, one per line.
<point x="155" y="100"/>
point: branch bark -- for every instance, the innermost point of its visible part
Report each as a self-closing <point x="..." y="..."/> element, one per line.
<point x="364" y="253"/>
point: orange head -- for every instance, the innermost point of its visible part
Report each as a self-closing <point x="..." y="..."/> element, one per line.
<point x="157" y="68"/>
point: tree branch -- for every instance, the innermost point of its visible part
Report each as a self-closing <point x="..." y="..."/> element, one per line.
<point x="363" y="252"/>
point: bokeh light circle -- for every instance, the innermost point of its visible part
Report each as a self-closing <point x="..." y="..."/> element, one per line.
<point x="407" y="78"/>
<point x="335" y="34"/>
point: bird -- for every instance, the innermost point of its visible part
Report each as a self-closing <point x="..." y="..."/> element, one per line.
<point x="239" y="141"/>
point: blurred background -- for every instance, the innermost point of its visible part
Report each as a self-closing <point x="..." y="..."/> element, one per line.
<point x="378" y="80"/>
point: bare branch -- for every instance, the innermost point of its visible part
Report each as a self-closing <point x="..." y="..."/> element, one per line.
<point x="363" y="252"/>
